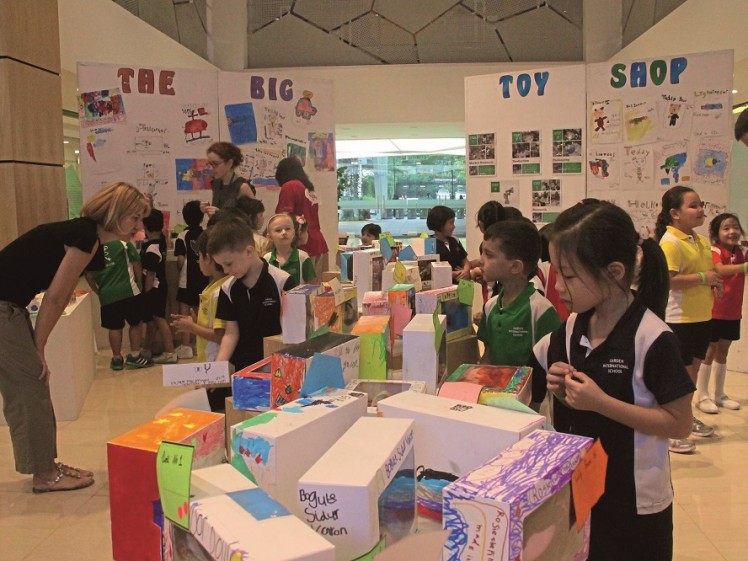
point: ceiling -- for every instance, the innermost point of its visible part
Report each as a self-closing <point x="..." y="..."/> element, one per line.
<point x="360" y="32"/>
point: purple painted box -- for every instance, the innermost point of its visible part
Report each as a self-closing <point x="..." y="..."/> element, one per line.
<point x="516" y="506"/>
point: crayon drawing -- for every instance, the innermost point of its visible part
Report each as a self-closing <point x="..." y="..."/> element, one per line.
<point x="101" y="107"/>
<point x="193" y="174"/>
<point x="604" y="124"/>
<point x="322" y="150"/>
<point x="603" y="168"/>
<point x="638" y="163"/>
<point x="672" y="165"/>
<point x="640" y="120"/>
<point x="712" y="162"/>
<point x="240" y="118"/>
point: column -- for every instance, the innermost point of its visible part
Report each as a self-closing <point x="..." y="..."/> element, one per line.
<point x="32" y="178"/>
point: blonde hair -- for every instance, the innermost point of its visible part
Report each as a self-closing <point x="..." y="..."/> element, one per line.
<point x="113" y="202"/>
<point x="270" y="246"/>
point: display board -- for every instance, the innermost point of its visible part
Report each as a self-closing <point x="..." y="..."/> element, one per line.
<point x="151" y="127"/>
<point x="525" y="143"/>
<point x="656" y="123"/>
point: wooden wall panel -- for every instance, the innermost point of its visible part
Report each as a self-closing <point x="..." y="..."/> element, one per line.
<point x="8" y="222"/>
<point x="30" y="31"/>
<point x="40" y="195"/>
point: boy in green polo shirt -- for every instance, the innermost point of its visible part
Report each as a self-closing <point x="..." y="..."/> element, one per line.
<point x="282" y="234"/>
<point x="519" y="316"/>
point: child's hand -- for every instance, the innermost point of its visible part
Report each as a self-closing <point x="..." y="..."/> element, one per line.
<point x="476" y="274"/>
<point x="183" y="324"/>
<point x="582" y="392"/>
<point x="461" y="274"/>
<point x="556" y="378"/>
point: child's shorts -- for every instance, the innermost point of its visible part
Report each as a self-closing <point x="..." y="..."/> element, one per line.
<point x="188" y="297"/>
<point x="727" y="329"/>
<point x="155" y="303"/>
<point x="130" y="310"/>
<point x="694" y="339"/>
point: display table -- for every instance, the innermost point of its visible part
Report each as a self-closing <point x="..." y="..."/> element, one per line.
<point x="70" y="356"/>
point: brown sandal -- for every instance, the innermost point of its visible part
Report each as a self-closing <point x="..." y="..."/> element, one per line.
<point x="73" y="471"/>
<point x="54" y="485"/>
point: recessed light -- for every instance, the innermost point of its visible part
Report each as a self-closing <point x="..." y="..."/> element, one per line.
<point x="734" y="91"/>
<point x="66" y="142"/>
<point x="77" y="151"/>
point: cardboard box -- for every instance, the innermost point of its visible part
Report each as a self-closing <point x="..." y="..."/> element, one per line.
<point x="493" y="511"/>
<point x="422" y="360"/>
<point x="133" y="489"/>
<point x="274" y="343"/>
<point x="327" y="276"/>
<point x="423" y="246"/>
<point x="462" y="350"/>
<point x="496" y="381"/>
<point x="377" y="390"/>
<point x="297" y="314"/>
<point x="362" y="487"/>
<point x="233" y="519"/>
<point x="368" y="265"/>
<point x="445" y="301"/>
<point x="234" y="416"/>
<point x="346" y="266"/>
<point x="454" y="437"/>
<point x="375" y="303"/>
<point x="412" y="275"/>
<point x="400" y="296"/>
<point x="375" y="346"/>
<point x="340" y="318"/>
<point x="441" y="275"/>
<point x="275" y="449"/>
<point x="276" y="380"/>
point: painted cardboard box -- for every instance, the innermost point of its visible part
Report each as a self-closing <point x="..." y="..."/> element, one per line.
<point x="402" y="296"/>
<point x="377" y="390"/>
<point x="346" y="266"/>
<point x="368" y="265"/>
<point x="375" y="349"/>
<point x="340" y="318"/>
<point x="297" y="314"/>
<point x="363" y="488"/>
<point x="459" y="316"/>
<point x="412" y="275"/>
<point x="276" y="448"/>
<point x="422" y="360"/>
<point x="134" y="504"/>
<point x="375" y="303"/>
<point x="423" y="246"/>
<point x="276" y="380"/>
<point x="454" y="437"/>
<point x="497" y="381"/>
<point x="517" y="505"/>
<point x="235" y="520"/>
<point x="234" y="416"/>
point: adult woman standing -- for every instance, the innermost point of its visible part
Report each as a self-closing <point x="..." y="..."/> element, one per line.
<point x="297" y="197"/>
<point x="49" y="257"/>
<point x="224" y="158"/>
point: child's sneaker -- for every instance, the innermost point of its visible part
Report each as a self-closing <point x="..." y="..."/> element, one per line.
<point x="681" y="445"/>
<point x="727" y="403"/>
<point x="166" y="358"/>
<point x="183" y="352"/>
<point x="699" y="428"/>
<point x="117" y="363"/>
<point x="138" y="361"/>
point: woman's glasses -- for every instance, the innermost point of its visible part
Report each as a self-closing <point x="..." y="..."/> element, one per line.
<point x="213" y="164"/>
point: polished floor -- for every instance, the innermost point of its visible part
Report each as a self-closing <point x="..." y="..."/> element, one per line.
<point x="711" y="485"/>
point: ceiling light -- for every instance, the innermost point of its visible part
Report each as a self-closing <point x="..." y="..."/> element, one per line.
<point x="66" y="142"/>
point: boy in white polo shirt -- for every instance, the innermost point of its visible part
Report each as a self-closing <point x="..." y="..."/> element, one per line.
<point x="519" y="316"/>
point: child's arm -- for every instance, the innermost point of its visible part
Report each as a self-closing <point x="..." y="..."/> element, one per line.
<point x="150" y="280"/>
<point x="669" y="420"/>
<point x="228" y="341"/>
<point x="463" y="273"/>
<point x="92" y="282"/>
<point x="180" y="262"/>
<point x="486" y="358"/>
<point x="137" y="270"/>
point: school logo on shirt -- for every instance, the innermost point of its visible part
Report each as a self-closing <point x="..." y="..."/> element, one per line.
<point x="616" y="366"/>
<point x="518" y="331"/>
<point x="269" y="301"/>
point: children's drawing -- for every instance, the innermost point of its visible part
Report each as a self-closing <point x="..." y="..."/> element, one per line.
<point x="675" y="112"/>
<point x="712" y="161"/>
<point x="638" y="162"/>
<point x="640" y="122"/>
<point x="604" y="121"/>
<point x="322" y="150"/>
<point x="567" y="151"/>
<point x="293" y="149"/>
<point x="672" y="165"/>
<point x="546" y="193"/>
<point x="147" y="145"/>
<point x="304" y="108"/>
<point x="195" y="128"/>
<point x="711" y="113"/>
<point x="643" y="212"/>
<point x="240" y="119"/>
<point x="261" y="165"/>
<point x="603" y="168"/>
<point x="193" y="174"/>
<point x="151" y="180"/>
<point x="101" y="107"/>
<point x="273" y="125"/>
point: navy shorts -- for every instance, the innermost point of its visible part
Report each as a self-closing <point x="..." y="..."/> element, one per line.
<point x="727" y="329"/>
<point x="130" y="310"/>
<point x="155" y="303"/>
<point x="189" y="297"/>
<point x="694" y="339"/>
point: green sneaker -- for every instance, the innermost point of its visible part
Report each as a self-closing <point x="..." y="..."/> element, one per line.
<point x="117" y="363"/>
<point x="138" y="361"/>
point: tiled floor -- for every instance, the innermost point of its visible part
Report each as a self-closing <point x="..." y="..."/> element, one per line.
<point x="711" y="486"/>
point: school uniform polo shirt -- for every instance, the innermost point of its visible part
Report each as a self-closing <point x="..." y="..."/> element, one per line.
<point x="638" y="363"/>
<point x="687" y="255"/>
<point x="256" y="310"/>
<point x="510" y="332"/>
<point x="298" y="265"/>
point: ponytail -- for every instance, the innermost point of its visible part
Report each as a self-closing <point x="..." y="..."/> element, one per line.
<point x="654" y="279"/>
<point x="671" y="199"/>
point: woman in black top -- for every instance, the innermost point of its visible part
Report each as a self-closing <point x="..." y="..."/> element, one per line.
<point x="227" y="186"/>
<point x="50" y="257"/>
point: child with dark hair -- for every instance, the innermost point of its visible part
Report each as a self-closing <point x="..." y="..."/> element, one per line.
<point x="519" y="316"/>
<point x="441" y="220"/>
<point x="730" y="261"/>
<point x="692" y="283"/>
<point x="369" y="233"/>
<point x="207" y="329"/>
<point x="191" y="280"/>
<point x="155" y="289"/>
<point x="617" y="367"/>
<point x="741" y="127"/>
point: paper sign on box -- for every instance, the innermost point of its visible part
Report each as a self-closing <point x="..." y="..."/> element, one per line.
<point x="197" y="374"/>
